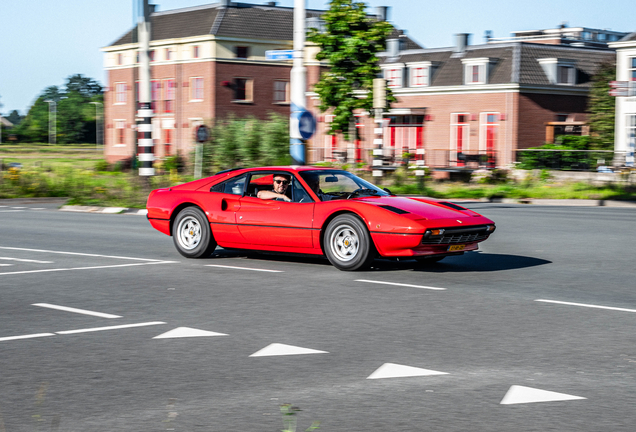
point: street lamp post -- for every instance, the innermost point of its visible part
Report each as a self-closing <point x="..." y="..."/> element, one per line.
<point x="97" y="134"/>
<point x="52" y="121"/>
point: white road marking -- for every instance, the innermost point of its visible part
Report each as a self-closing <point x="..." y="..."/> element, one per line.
<point x="400" y="284"/>
<point x="37" y="208"/>
<point x="278" y="349"/>
<point x="185" y="332"/>
<point x="25" y="260"/>
<point x="26" y="336"/>
<point x="5" y="265"/>
<point x="245" y="268"/>
<point x="520" y="394"/>
<point x="392" y="370"/>
<point x="587" y="305"/>
<point x="9" y="211"/>
<point x="94" y="329"/>
<point x="79" y="311"/>
<point x="79" y="254"/>
<point x="18" y="207"/>
<point x="87" y="268"/>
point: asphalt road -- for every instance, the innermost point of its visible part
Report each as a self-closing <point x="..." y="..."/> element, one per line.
<point x="535" y="332"/>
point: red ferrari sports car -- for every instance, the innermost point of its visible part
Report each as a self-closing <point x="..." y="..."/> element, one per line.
<point x="311" y="210"/>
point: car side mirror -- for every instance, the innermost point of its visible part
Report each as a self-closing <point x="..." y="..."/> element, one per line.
<point x="388" y="191"/>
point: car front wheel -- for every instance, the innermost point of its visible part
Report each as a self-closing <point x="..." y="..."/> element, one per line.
<point x="347" y="243"/>
<point x="192" y="234"/>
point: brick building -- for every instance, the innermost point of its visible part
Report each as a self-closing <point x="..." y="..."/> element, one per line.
<point x="206" y="62"/>
<point x="625" y="129"/>
<point x="455" y="104"/>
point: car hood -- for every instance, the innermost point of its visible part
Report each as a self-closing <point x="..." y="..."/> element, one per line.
<point x="421" y="208"/>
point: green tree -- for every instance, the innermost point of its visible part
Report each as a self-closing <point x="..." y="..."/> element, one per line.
<point x="15" y="117"/>
<point x="602" y="108"/>
<point x="350" y="44"/>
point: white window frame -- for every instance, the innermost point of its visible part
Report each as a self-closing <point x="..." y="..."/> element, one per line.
<point x="454" y="124"/>
<point x="552" y="68"/>
<point x="120" y="93"/>
<point x="483" y="126"/>
<point x="394" y="75"/>
<point x="286" y="89"/>
<point x="420" y="81"/>
<point x="194" y="89"/>
<point x="483" y="70"/>
<point x="120" y="124"/>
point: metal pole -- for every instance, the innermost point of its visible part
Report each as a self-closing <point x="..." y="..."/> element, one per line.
<point x="53" y="110"/>
<point x="145" y="144"/>
<point x="379" y="104"/>
<point x="97" y="134"/>
<point x="298" y="84"/>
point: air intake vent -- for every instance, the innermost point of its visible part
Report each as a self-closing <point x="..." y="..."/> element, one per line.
<point x="451" y="205"/>
<point x="393" y="209"/>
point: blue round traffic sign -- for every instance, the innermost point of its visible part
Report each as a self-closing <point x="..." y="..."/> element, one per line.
<point x="306" y="124"/>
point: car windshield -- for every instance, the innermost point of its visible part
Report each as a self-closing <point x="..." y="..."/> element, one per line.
<point x="331" y="185"/>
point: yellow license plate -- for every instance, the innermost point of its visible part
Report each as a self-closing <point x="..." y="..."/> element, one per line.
<point x="456" y="248"/>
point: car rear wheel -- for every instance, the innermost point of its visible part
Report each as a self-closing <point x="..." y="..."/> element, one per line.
<point x="347" y="243"/>
<point x="192" y="234"/>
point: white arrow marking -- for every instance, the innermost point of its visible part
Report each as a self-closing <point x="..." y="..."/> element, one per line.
<point x="392" y="370"/>
<point x="520" y="394"/>
<point x="25" y="260"/>
<point x="94" y="329"/>
<point x="586" y="305"/>
<point x="184" y="332"/>
<point x="277" y="349"/>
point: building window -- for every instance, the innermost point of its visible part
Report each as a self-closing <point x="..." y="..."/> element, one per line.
<point x="393" y="77"/>
<point x="120" y="93"/>
<point x="169" y="86"/>
<point x="243" y="90"/>
<point x="155" y="93"/>
<point x="120" y="132"/>
<point x="489" y="136"/>
<point x="168" y="54"/>
<point x="419" y="76"/>
<point x="151" y="54"/>
<point x="167" y="141"/>
<point x="195" y="51"/>
<point x="196" y="90"/>
<point x="242" y="52"/>
<point x="281" y="91"/>
<point x="565" y="75"/>
<point x="120" y="59"/>
<point x="632" y="69"/>
<point x="459" y="137"/>
<point x="475" y="74"/>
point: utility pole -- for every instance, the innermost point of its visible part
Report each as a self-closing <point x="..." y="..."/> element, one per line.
<point x="379" y="105"/>
<point x="145" y="144"/>
<point x="298" y="85"/>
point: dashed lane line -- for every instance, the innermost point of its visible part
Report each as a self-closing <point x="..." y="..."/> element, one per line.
<point x="26" y="336"/>
<point x="586" y="305"/>
<point x="94" y="329"/>
<point x="10" y="211"/>
<point x="78" y="254"/>
<point x="74" y="310"/>
<point x="400" y="284"/>
<point x="245" y="268"/>
<point x="25" y="260"/>
<point x="87" y="268"/>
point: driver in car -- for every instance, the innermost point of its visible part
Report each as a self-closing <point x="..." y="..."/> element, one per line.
<point x="281" y="183"/>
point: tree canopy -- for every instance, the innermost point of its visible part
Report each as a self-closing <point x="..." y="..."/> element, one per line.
<point x="350" y="42"/>
<point x="75" y="119"/>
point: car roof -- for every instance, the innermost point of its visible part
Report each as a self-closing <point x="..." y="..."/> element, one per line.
<point x="297" y="168"/>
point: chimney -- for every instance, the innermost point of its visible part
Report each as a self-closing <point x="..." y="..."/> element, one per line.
<point x="462" y="40"/>
<point x="487" y="36"/>
<point x="393" y="47"/>
<point x="225" y="3"/>
<point x="382" y="13"/>
<point x="271" y="3"/>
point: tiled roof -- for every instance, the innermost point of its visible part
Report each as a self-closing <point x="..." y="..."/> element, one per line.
<point x="512" y="62"/>
<point x="629" y="37"/>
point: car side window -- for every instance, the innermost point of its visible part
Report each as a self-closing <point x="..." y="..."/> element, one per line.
<point x="234" y="186"/>
<point x="299" y="193"/>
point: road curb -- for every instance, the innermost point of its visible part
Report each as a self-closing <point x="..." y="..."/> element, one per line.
<point x="104" y="210"/>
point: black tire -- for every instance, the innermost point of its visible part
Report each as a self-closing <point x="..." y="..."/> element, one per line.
<point x="192" y="235"/>
<point x="347" y="243"/>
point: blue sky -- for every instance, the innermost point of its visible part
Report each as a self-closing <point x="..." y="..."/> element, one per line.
<point x="42" y="41"/>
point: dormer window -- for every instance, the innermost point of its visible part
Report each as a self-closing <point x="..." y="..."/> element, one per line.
<point x="476" y="70"/>
<point x="419" y="74"/>
<point x="559" y="71"/>
<point x="242" y="52"/>
<point x="393" y="75"/>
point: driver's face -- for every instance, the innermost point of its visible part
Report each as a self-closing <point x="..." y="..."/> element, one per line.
<point x="280" y="184"/>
